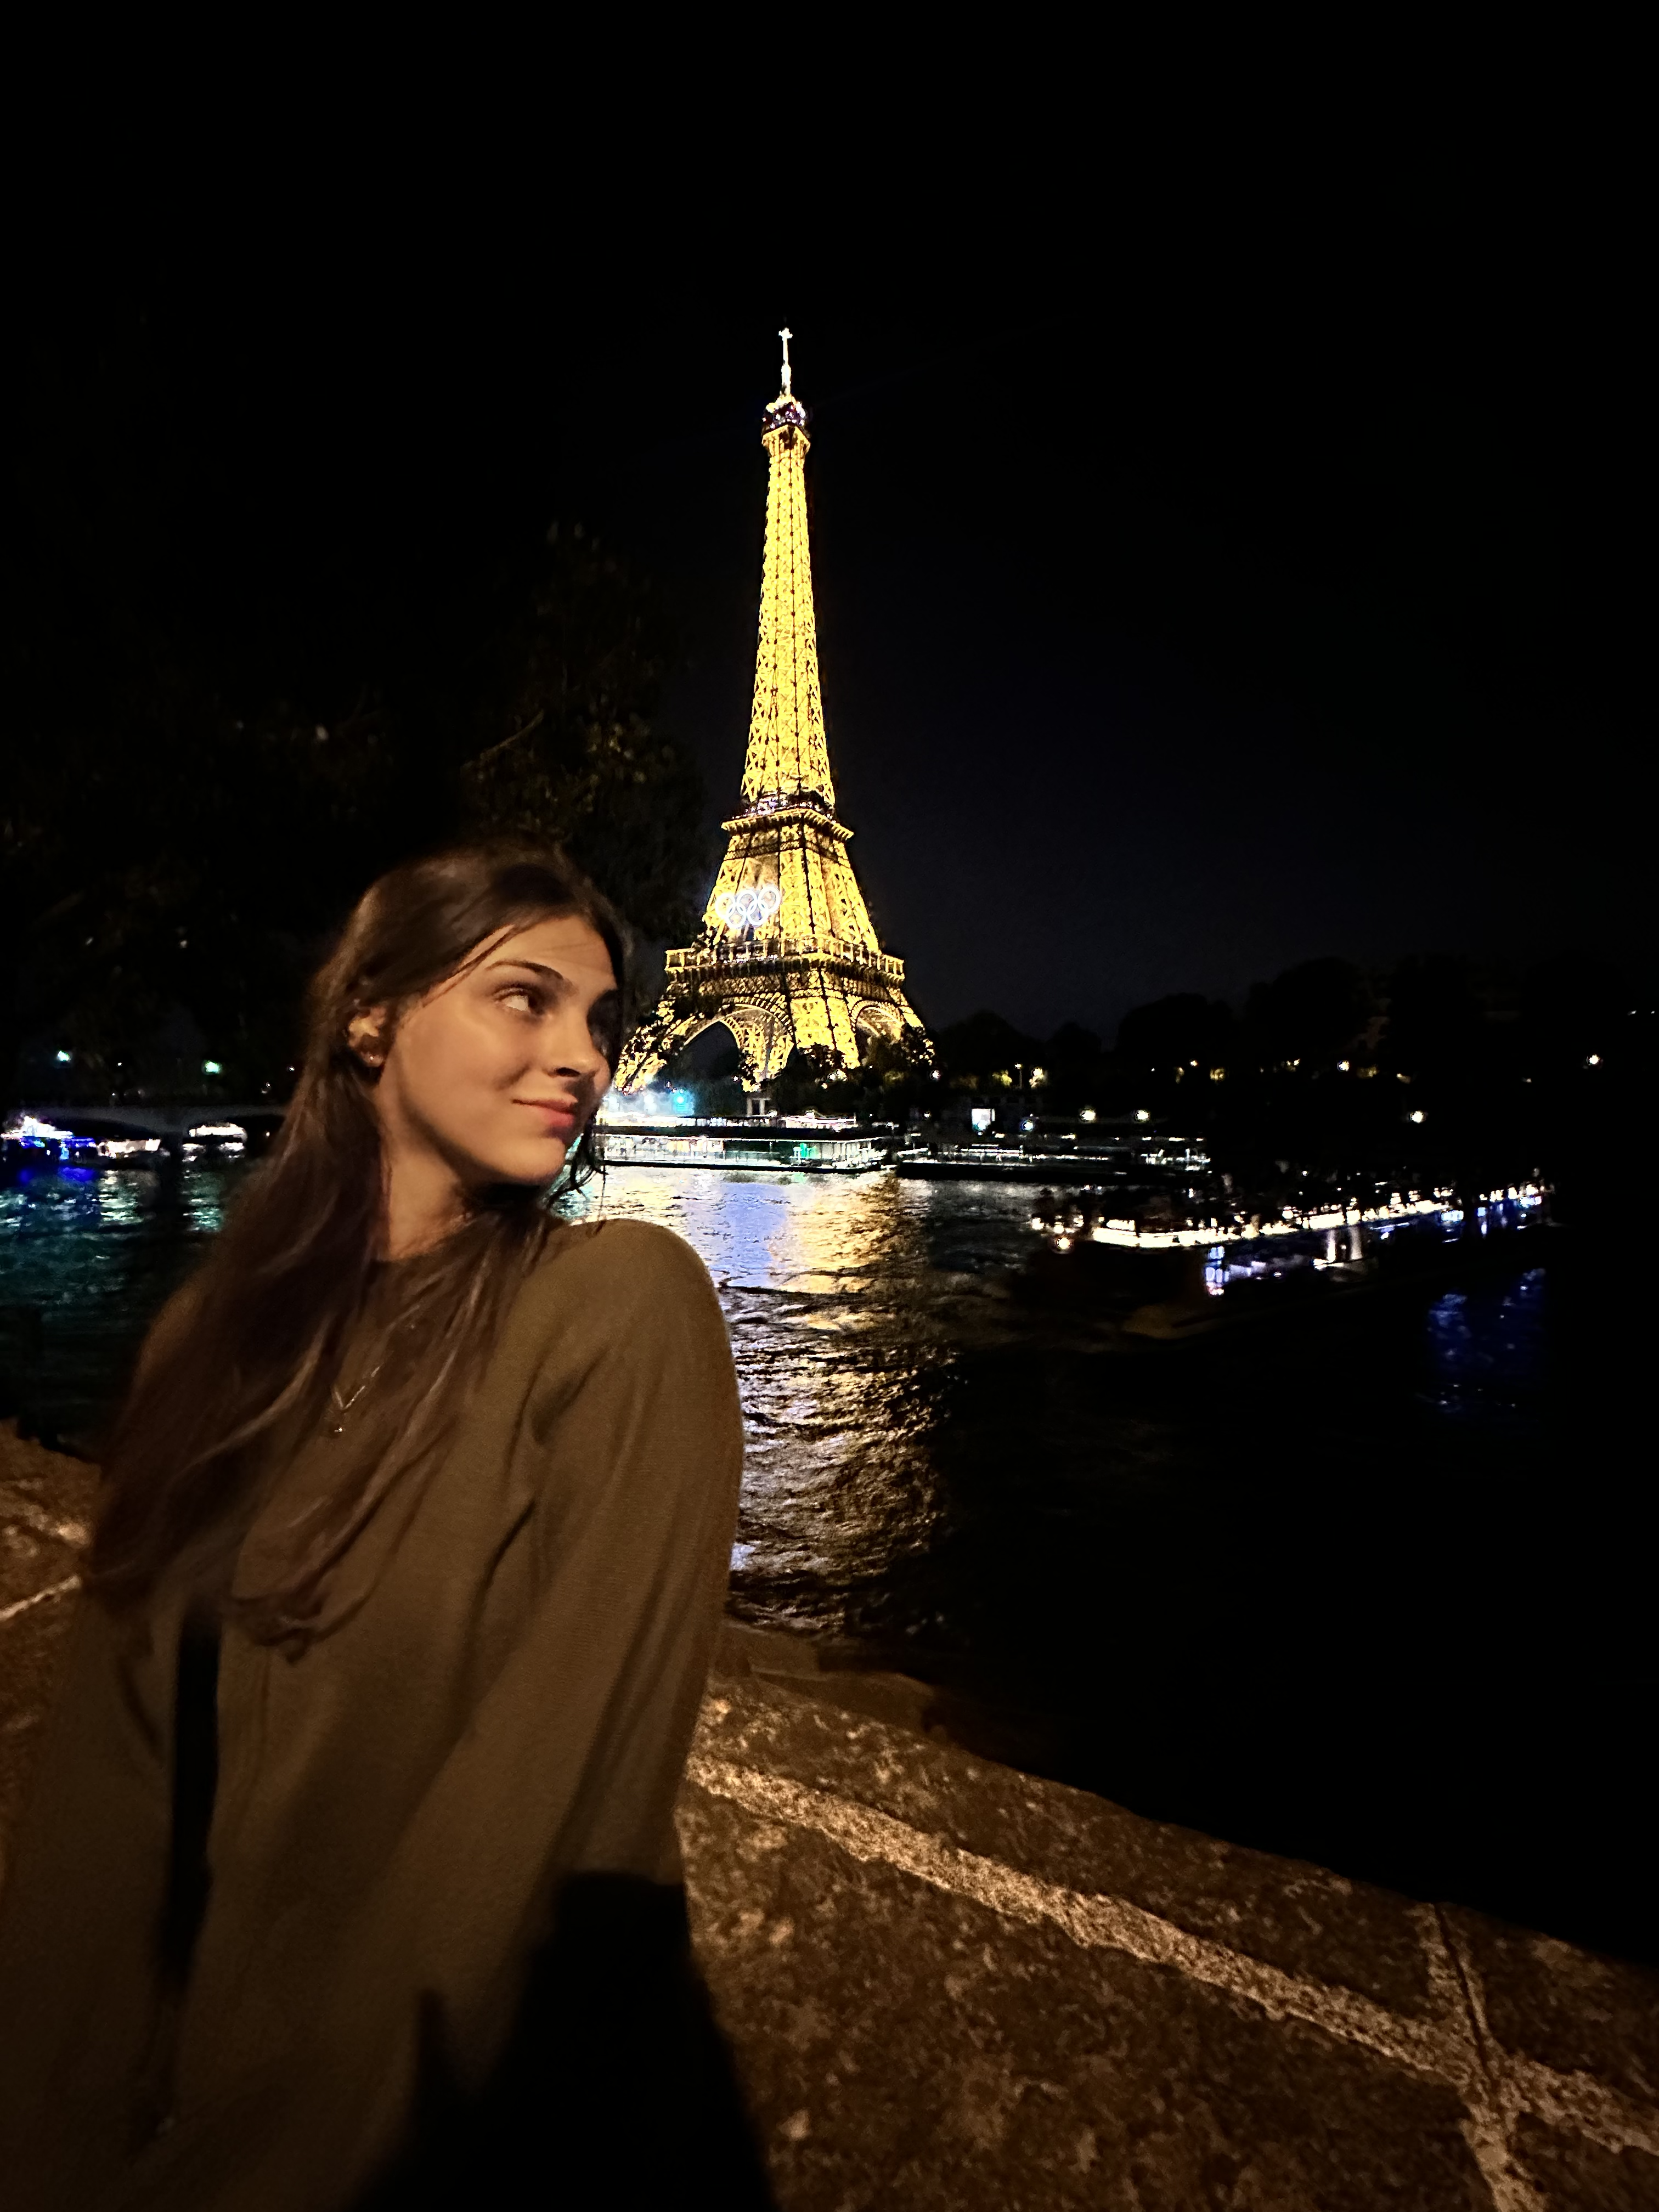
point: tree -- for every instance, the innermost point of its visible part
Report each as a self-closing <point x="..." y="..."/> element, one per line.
<point x="560" y="737"/>
<point x="1313" y="1013"/>
<point x="1176" y="1032"/>
<point x="1079" y="1072"/>
<point x="802" y="1085"/>
<point x="975" y="1052"/>
<point x="1576" y="1005"/>
<point x="1436" y="1025"/>
<point x="180" y="836"/>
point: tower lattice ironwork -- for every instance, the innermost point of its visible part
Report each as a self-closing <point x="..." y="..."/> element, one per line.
<point x="787" y="955"/>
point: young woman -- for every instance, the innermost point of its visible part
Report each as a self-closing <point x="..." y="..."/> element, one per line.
<point x="350" y="1872"/>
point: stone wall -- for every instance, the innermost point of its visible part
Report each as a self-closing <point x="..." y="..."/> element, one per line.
<point x="950" y="1987"/>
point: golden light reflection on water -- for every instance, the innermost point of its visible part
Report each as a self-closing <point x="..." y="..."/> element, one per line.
<point x="846" y="1299"/>
<point x="849" y="1298"/>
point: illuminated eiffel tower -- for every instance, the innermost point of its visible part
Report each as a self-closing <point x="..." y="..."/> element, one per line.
<point x="787" y="955"/>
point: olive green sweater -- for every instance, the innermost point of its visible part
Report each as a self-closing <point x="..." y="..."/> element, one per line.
<point x="509" y="1703"/>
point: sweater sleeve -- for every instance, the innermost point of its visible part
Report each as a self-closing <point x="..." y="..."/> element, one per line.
<point x="570" y="1762"/>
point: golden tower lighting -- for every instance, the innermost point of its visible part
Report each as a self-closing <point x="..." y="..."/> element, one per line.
<point x="787" y="955"/>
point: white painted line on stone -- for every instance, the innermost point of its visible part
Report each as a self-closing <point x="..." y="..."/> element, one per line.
<point x="1453" y="2046"/>
<point x="39" y="1597"/>
<point x="1489" y="2113"/>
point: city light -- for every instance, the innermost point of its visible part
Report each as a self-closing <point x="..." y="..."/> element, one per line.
<point x="211" y="1068"/>
<point x="29" y="1129"/>
<point x="1141" y="1113"/>
<point x="64" y="1058"/>
<point x="1417" y="1115"/>
<point x="1400" y="1209"/>
<point x="652" y="1105"/>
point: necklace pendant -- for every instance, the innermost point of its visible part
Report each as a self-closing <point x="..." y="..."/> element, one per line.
<point x="344" y="1406"/>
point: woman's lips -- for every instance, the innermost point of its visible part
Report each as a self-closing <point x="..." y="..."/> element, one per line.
<point x="558" y="1117"/>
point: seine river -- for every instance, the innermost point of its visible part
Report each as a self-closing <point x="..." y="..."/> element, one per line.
<point x="1298" y="1585"/>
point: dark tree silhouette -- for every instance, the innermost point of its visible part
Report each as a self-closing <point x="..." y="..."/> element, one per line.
<point x="1176" y="1032"/>
<point x="177" y="836"/>
<point x="984" y="1045"/>
<point x="1312" y="1012"/>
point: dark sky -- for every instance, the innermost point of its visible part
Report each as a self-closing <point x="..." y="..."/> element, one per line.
<point x="1222" y="561"/>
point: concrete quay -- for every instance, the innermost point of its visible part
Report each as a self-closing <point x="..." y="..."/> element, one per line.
<point x="951" y="1987"/>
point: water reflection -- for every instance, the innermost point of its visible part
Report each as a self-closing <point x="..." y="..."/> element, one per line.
<point x="847" y="1303"/>
<point x="910" y="1422"/>
<point x="86" y="1256"/>
<point x="1484" y="1350"/>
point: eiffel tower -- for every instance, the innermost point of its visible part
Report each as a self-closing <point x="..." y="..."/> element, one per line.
<point x="787" y="955"/>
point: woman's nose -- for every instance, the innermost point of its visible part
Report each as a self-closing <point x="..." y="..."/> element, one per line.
<point x="570" y="1050"/>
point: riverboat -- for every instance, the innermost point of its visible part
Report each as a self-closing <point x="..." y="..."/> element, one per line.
<point x="814" y="1147"/>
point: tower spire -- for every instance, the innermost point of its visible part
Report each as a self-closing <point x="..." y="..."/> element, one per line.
<point x="787" y="757"/>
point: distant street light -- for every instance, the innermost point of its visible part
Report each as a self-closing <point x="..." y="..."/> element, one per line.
<point x="211" y="1068"/>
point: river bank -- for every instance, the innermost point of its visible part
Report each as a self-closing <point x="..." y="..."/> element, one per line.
<point x="953" y="1987"/>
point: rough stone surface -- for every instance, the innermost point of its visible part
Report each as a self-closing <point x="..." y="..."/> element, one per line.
<point x="1574" y="2012"/>
<point x="950" y="1985"/>
<point x="1293" y="1915"/>
<point x="1572" y="2175"/>
<point x="46" y="1500"/>
<point x="901" y="2048"/>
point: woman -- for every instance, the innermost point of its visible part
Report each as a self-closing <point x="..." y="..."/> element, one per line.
<point x="350" y="1873"/>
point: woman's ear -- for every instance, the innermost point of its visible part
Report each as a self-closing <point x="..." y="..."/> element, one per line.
<point x="366" y="1036"/>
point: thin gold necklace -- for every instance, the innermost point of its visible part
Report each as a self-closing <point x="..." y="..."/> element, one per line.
<point x="344" y="1406"/>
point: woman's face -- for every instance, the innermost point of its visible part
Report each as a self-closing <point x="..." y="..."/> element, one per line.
<point x="499" y="1069"/>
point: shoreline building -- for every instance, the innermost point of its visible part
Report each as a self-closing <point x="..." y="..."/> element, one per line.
<point x="787" y="955"/>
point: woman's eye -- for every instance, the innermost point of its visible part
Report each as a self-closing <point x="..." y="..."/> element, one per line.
<point x="520" y="998"/>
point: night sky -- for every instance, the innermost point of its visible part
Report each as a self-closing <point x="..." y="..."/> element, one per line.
<point x="1221" y="562"/>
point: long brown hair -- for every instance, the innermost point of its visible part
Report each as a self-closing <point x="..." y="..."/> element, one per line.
<point x="254" y="1342"/>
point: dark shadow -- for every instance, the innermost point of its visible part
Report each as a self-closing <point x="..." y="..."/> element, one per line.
<point x="617" y="2088"/>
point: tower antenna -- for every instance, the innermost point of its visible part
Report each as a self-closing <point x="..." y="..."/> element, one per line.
<point x="786" y="335"/>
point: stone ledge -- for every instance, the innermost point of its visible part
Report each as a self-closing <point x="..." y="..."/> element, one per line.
<point x="952" y="1987"/>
